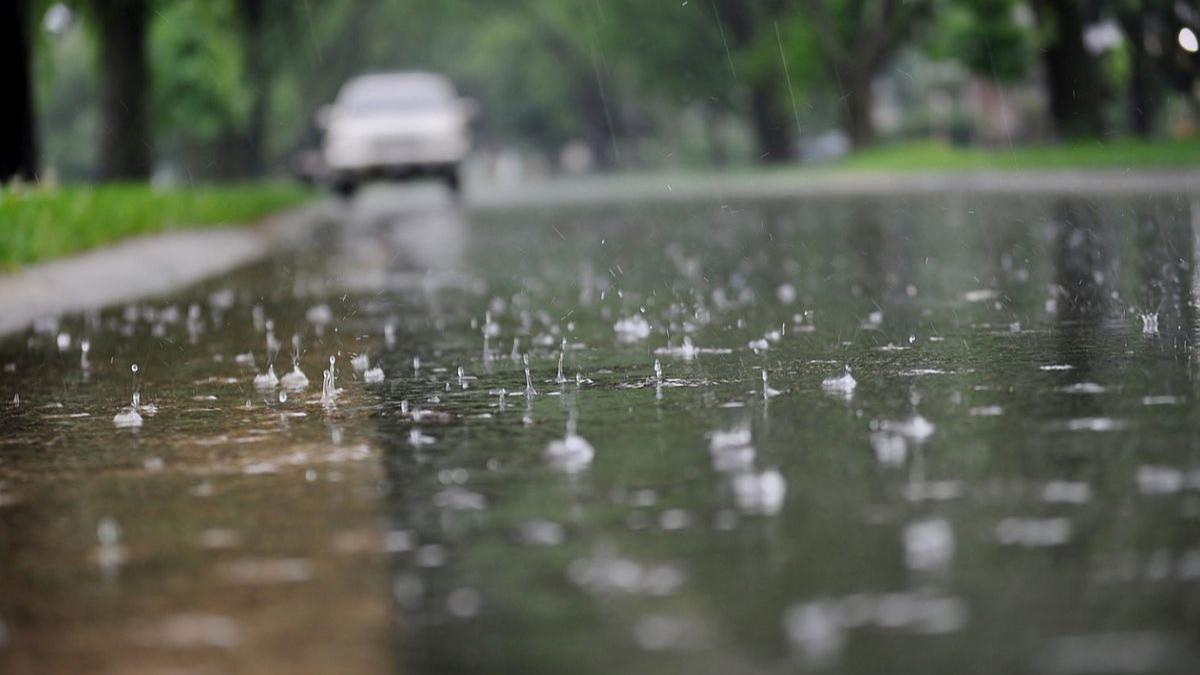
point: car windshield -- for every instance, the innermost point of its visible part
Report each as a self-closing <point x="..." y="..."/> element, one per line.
<point x="394" y="94"/>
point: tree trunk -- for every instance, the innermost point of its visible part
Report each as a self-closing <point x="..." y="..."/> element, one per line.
<point x="601" y="121"/>
<point x="18" y="145"/>
<point x="856" y="112"/>
<point x="252" y="54"/>
<point x="718" y="154"/>
<point x="1073" y="84"/>
<point x="125" y="141"/>
<point x="772" y="130"/>
<point x="1143" y="90"/>
<point x="598" y="121"/>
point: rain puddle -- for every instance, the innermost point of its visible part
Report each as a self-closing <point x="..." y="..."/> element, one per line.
<point x="927" y="435"/>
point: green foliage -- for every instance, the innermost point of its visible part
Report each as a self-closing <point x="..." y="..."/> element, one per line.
<point x="670" y="73"/>
<point x="199" y="92"/>
<point x="538" y="116"/>
<point x="985" y="36"/>
<point x="41" y="224"/>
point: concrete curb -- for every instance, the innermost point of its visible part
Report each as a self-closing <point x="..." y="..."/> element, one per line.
<point x="143" y="267"/>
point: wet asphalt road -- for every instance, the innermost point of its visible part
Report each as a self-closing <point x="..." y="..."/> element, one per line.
<point x="1011" y="484"/>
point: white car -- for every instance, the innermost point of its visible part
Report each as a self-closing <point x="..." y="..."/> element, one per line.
<point x="395" y="125"/>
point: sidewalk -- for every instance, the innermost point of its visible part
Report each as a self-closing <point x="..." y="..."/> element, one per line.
<point x="141" y="267"/>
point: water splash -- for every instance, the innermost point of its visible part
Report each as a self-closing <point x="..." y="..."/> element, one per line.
<point x="843" y="384"/>
<point x="295" y="379"/>
<point x="85" y="346"/>
<point x="760" y="493"/>
<point x="560" y="378"/>
<point x="732" y="451"/>
<point x="130" y="416"/>
<point x="530" y="392"/>
<point x="916" y="427"/>
<point x="329" y="389"/>
<point x="572" y="453"/>
<point x="418" y="439"/>
<point x="632" y="329"/>
<point x="267" y="380"/>
<point x="1150" y="323"/>
<point x="490" y="327"/>
<point x="928" y="545"/>
<point x="110" y="554"/>
<point x="767" y="391"/>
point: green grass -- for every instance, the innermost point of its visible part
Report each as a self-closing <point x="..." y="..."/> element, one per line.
<point x="1115" y="154"/>
<point x="39" y="224"/>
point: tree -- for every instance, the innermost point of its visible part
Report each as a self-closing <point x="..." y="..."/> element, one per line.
<point x="201" y="97"/>
<point x="856" y="38"/>
<point x="268" y="29"/>
<point x="749" y="26"/>
<point x="1156" y="59"/>
<point x="125" y="142"/>
<point x="748" y="58"/>
<point x="18" y="148"/>
<point x="251" y="12"/>
<point x="1073" y="82"/>
<point x="1145" y="90"/>
<point x="985" y="37"/>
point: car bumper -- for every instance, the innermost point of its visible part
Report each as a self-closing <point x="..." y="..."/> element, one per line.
<point x="394" y="155"/>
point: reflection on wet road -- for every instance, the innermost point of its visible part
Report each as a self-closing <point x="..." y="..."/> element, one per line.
<point x="951" y="434"/>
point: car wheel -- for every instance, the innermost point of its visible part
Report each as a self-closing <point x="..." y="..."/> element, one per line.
<point x="345" y="188"/>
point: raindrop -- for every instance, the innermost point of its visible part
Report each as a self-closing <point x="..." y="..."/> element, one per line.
<point x="529" y="390"/>
<point x="560" y="379"/>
